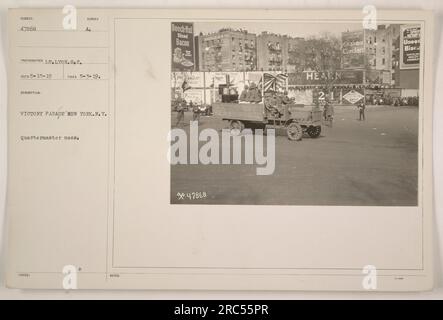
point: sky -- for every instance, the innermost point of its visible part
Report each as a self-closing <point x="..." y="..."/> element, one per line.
<point x="294" y="29"/>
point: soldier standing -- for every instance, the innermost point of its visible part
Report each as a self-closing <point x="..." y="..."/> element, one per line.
<point x="244" y="96"/>
<point x="361" y="110"/>
<point x="181" y="112"/>
<point x="328" y="112"/>
<point x="254" y="94"/>
<point x="195" y="111"/>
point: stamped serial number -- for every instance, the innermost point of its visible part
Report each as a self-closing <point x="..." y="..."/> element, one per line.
<point x="191" y="195"/>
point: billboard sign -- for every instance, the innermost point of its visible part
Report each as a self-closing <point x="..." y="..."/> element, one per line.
<point x="353" y="96"/>
<point x="182" y="40"/>
<point x="193" y="79"/>
<point x="409" y="47"/>
<point x="322" y="78"/>
<point x="353" y="49"/>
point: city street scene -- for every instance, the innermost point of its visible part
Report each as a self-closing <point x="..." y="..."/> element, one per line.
<point x="341" y="100"/>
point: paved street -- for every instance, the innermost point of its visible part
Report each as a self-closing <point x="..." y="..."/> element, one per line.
<point x="372" y="162"/>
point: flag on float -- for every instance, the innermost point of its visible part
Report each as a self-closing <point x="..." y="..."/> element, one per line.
<point x="274" y="82"/>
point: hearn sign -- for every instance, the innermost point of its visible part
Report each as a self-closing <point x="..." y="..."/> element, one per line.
<point x="326" y="77"/>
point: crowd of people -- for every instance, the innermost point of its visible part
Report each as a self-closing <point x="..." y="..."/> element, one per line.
<point x="393" y="101"/>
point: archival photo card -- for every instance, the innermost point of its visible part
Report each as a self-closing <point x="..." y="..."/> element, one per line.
<point x="295" y="113"/>
<point x="220" y="149"/>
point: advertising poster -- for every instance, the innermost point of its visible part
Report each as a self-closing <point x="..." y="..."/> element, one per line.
<point x="324" y="78"/>
<point x="301" y="96"/>
<point x="182" y="41"/>
<point x="353" y="49"/>
<point x="352" y="96"/>
<point x="194" y="95"/>
<point x="409" y="47"/>
<point x="192" y="79"/>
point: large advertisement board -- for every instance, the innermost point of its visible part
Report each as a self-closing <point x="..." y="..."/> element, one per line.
<point x="409" y="47"/>
<point x="353" y="49"/>
<point x="182" y="46"/>
<point x="324" y="78"/>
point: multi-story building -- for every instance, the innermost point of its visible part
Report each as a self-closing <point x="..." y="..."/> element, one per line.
<point x="296" y="54"/>
<point x="272" y="52"/>
<point x="238" y="50"/>
<point x="370" y="46"/>
<point x="227" y="50"/>
<point x="394" y="35"/>
<point x="379" y="53"/>
<point x="377" y="56"/>
<point x="387" y="53"/>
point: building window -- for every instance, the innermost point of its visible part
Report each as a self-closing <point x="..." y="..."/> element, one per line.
<point x="383" y="61"/>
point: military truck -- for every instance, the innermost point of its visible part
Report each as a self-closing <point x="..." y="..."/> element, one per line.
<point x="295" y="119"/>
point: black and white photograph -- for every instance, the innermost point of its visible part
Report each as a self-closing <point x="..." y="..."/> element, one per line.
<point x="295" y="113"/>
<point x="257" y="153"/>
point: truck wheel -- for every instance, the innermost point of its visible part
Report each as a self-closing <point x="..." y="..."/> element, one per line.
<point x="314" y="132"/>
<point x="236" y="125"/>
<point x="294" y="131"/>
